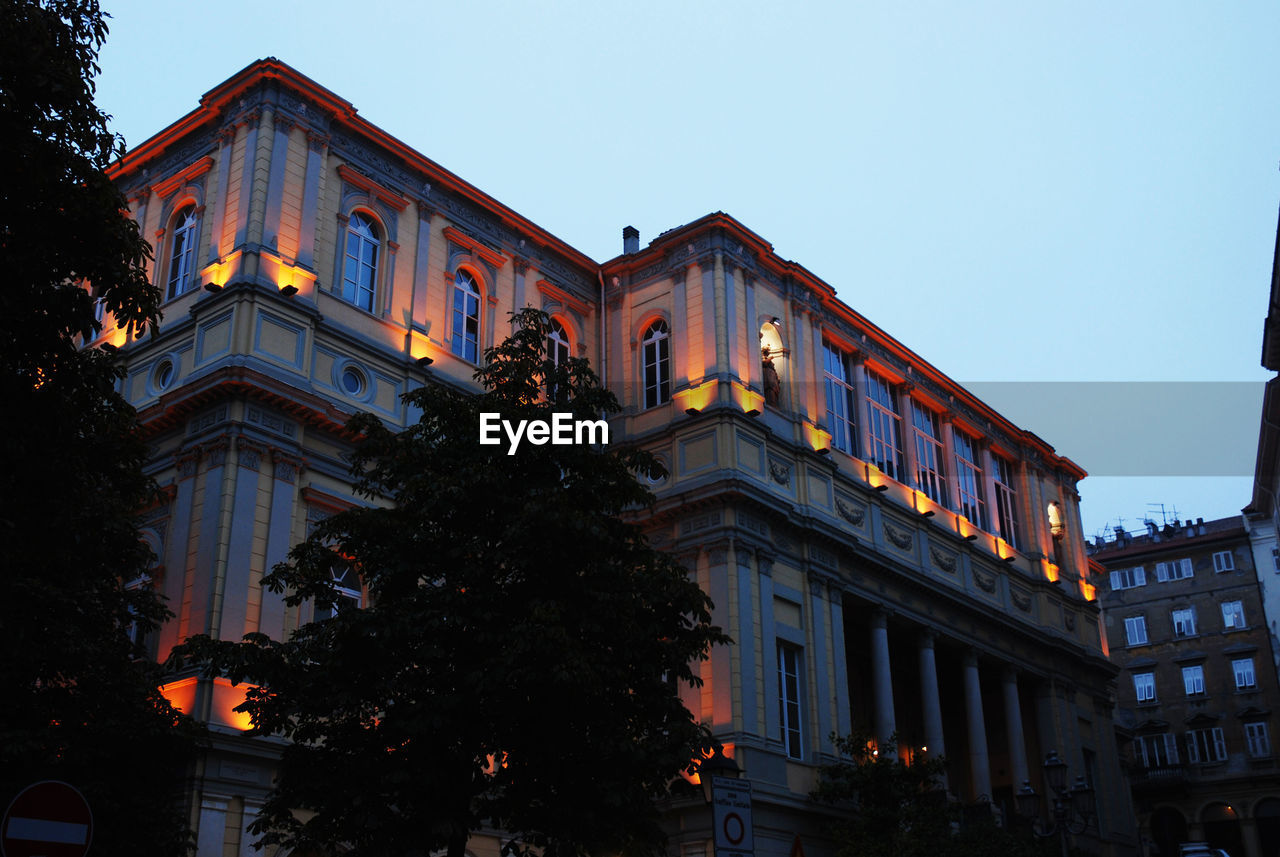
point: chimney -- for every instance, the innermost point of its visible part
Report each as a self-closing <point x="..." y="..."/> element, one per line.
<point x="1151" y="528"/>
<point x="630" y="239"/>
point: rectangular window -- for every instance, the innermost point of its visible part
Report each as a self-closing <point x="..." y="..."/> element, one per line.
<point x="1232" y="614"/>
<point x="1144" y="685"/>
<point x="929" y="478"/>
<point x="1174" y="570"/>
<point x="1157" y="751"/>
<point x="1135" y="630"/>
<point x="1206" y="745"/>
<point x="346" y="584"/>
<point x="1184" y="622"/>
<point x="969" y="481"/>
<point x="885" y="427"/>
<point x="840" y="399"/>
<point x="1243" y="669"/>
<point x="789" y="699"/>
<point x="1193" y="680"/>
<point x="1258" y="739"/>
<point x="1224" y="561"/>
<point x="1006" y="501"/>
<point x="1275" y="559"/>
<point x="1128" y="578"/>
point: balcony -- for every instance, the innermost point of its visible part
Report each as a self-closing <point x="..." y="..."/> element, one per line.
<point x="1159" y="779"/>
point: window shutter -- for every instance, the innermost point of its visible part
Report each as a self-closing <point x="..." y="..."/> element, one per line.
<point x="1139" y="577"/>
<point x="1171" y="748"/>
<point x="1116" y="583"/>
<point x="1219" y="743"/>
<point x="1162" y="572"/>
<point x="1193" y="754"/>
<point x="1187" y="571"/>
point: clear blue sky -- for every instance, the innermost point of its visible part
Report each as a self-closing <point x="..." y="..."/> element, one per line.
<point x="1020" y="192"/>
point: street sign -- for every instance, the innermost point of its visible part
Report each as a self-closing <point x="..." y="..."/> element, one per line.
<point x="47" y="819"/>
<point x="731" y="799"/>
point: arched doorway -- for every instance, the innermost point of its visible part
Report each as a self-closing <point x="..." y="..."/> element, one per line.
<point x="1168" y="831"/>
<point x="1267" y="814"/>
<point x="1222" y="828"/>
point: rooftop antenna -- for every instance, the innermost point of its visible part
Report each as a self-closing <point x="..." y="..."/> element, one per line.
<point x="1164" y="520"/>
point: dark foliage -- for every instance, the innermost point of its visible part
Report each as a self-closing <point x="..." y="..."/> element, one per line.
<point x="519" y="665"/>
<point x="81" y="706"/>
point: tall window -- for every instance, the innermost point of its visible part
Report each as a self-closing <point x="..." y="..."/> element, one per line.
<point x="1006" y="500"/>
<point x="1259" y="741"/>
<point x="465" y="341"/>
<point x="1128" y="578"/>
<point x="1174" y="570"/>
<point x="1184" y="622"/>
<point x="789" y="699"/>
<point x="1232" y="614"/>
<point x="1135" y="630"/>
<point x="1193" y="680"/>
<point x="884" y="424"/>
<point x="969" y="481"/>
<point x="360" y="265"/>
<point x="840" y="400"/>
<point x="929" y="457"/>
<point x="1206" y="745"/>
<point x="182" y="252"/>
<point x="656" y="359"/>
<point x="1224" y="561"/>
<point x="1144" y="685"/>
<point x="1156" y="751"/>
<point x="1243" y="670"/>
<point x="557" y="344"/>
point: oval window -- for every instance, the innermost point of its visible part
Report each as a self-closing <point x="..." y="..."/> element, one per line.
<point x="164" y="374"/>
<point x="352" y="381"/>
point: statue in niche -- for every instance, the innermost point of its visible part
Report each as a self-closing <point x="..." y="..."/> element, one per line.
<point x="772" y="383"/>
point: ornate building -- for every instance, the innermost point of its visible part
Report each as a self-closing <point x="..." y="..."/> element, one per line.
<point x="1198" y="687"/>
<point x="890" y="554"/>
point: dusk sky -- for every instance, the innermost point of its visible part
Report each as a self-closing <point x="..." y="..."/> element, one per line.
<point x="1025" y="194"/>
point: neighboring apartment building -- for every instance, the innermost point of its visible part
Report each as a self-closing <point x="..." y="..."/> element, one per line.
<point x="1198" y="691"/>
<point x="888" y="552"/>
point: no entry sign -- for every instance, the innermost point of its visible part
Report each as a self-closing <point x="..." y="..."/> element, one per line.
<point x="48" y="819"/>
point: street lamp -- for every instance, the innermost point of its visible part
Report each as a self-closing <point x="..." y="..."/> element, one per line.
<point x="716" y="765"/>
<point x="1073" y="806"/>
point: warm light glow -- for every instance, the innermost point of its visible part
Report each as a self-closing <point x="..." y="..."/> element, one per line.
<point x="748" y="400"/>
<point x="226" y="698"/>
<point x="1089" y="591"/>
<point x="1051" y="572"/>
<point x="181" y="694"/>
<point x="118" y="337"/>
<point x="818" y="439"/>
<point x="699" y="398"/>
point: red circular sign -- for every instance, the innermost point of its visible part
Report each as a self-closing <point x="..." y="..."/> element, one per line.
<point x="48" y="819"/>
<point x="734" y="829"/>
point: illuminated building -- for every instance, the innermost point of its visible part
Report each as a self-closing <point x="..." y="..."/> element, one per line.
<point x="889" y="552"/>
<point x="1198" y="689"/>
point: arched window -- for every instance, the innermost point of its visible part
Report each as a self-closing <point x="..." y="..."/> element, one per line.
<point x="656" y="357"/>
<point x="360" y="267"/>
<point x="466" y="317"/>
<point x="557" y="344"/>
<point x="182" y="252"/>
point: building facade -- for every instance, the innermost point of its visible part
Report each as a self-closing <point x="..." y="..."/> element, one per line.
<point x="891" y="555"/>
<point x="1198" y="690"/>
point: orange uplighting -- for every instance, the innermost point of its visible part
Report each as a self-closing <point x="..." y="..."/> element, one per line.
<point x="818" y="439"/>
<point x="1089" y="591"/>
<point x="1051" y="572"/>
<point x="695" y="778"/>
<point x="697" y="398"/>
<point x="748" y="400"/>
<point x="182" y="696"/>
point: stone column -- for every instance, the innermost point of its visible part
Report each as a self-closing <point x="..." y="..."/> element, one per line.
<point x="934" y="744"/>
<point x="979" y="764"/>
<point x="1013" y="725"/>
<point x="882" y="682"/>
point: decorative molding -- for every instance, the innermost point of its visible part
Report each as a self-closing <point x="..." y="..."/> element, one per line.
<point x="249" y="453"/>
<point x="1020" y="599"/>
<point x="987" y="583"/>
<point x="493" y="257"/>
<point x="752" y="524"/>
<point x="380" y="192"/>
<point x="1068" y="619"/>
<point x="318" y="141"/>
<point x="702" y="522"/>
<point x="170" y="185"/>
<point x="854" y="514"/>
<point x="560" y="296"/>
<point x="270" y="422"/>
<point x="207" y="419"/>
<point x="215" y="451"/>
<point x="943" y="560"/>
<point x="780" y="472"/>
<point x="898" y="539"/>
<point x="186" y="462"/>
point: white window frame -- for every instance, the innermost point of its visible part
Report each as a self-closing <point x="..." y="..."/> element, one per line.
<point x="1206" y="745"/>
<point x="1258" y="739"/>
<point x="1128" y="578"/>
<point x="464" y="336"/>
<point x="1224" y="561"/>
<point x="1144" y="686"/>
<point x="1193" y="680"/>
<point x="1245" y="675"/>
<point x="1184" y="622"/>
<point x="1003" y="476"/>
<point x="349" y="596"/>
<point x="360" y="250"/>
<point x="790" y="710"/>
<point x="969" y="480"/>
<point x="841" y="399"/>
<point x="926" y="433"/>
<point x="182" y="251"/>
<point x="884" y="426"/>
<point x="1232" y="615"/>
<point x="1177" y="569"/>
<point x="655" y="356"/>
<point x="1135" y="630"/>
<point x="1157" y="751"/>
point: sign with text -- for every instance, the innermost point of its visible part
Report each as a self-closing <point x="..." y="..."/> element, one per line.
<point x="731" y="800"/>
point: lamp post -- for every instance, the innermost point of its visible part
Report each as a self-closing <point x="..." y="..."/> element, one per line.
<point x="1073" y="806"/>
<point x="716" y="765"/>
